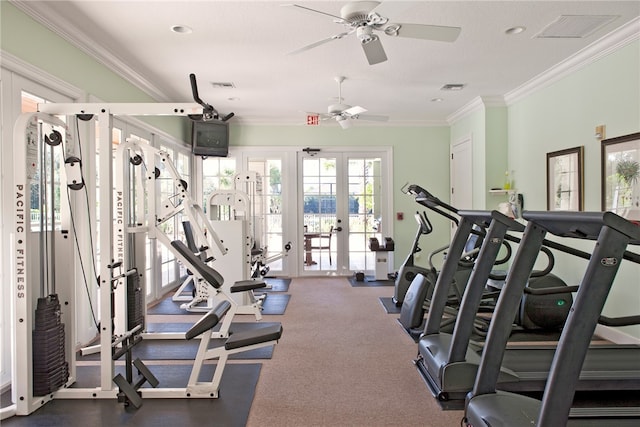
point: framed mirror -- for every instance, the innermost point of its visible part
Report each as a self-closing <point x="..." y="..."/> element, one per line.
<point x="565" y="179"/>
<point x="621" y="175"/>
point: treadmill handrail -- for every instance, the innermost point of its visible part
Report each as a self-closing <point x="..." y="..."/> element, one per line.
<point x="619" y="321"/>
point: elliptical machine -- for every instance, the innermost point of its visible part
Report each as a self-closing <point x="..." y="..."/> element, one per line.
<point x="409" y="270"/>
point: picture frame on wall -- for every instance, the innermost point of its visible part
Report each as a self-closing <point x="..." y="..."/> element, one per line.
<point x="565" y="179"/>
<point x="620" y="179"/>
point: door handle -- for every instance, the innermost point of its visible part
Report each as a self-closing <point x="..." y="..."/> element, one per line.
<point x="338" y="228"/>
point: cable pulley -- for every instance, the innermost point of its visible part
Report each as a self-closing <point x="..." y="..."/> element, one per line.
<point x="53" y="139"/>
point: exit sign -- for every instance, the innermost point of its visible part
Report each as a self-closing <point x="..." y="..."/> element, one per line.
<point x="313" y="120"/>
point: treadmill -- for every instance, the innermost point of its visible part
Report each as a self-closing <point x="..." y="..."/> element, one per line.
<point x="449" y="362"/>
<point x="487" y="406"/>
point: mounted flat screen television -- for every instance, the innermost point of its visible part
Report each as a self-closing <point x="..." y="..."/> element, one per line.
<point x="210" y="138"/>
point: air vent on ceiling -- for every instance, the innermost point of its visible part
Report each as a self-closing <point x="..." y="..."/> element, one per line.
<point x="574" y="26"/>
<point x="223" y="85"/>
<point x="453" y="86"/>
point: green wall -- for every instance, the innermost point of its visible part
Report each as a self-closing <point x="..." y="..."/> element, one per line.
<point x="564" y="115"/>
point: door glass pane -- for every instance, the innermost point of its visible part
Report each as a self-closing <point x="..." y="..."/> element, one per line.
<point x="269" y="210"/>
<point x="365" y="210"/>
<point x="319" y="213"/>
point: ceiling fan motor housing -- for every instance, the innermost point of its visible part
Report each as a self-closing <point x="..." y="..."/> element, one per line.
<point x="337" y="108"/>
<point x="357" y="10"/>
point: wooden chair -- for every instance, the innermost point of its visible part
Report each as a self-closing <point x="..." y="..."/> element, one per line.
<point x="323" y="241"/>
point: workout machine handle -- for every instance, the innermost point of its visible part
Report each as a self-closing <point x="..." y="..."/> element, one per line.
<point x="619" y="321"/>
<point x="208" y="109"/>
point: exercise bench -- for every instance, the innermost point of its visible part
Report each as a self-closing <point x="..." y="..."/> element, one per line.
<point x="239" y="342"/>
<point x="215" y="279"/>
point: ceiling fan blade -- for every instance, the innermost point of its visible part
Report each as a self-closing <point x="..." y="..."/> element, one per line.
<point x="318" y="43"/>
<point x="308" y="9"/>
<point x="372" y="118"/>
<point x="344" y="123"/>
<point x="428" y="32"/>
<point x="354" y="111"/>
<point x="374" y="51"/>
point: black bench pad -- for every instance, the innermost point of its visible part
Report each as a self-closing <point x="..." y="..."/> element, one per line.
<point x="254" y="336"/>
<point x="247" y="285"/>
<point x="209" y="320"/>
<point x="209" y="274"/>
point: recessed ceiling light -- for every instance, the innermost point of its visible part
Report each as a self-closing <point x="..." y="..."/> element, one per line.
<point x="437" y="99"/>
<point x="514" y="30"/>
<point x="233" y="98"/>
<point x="181" y="29"/>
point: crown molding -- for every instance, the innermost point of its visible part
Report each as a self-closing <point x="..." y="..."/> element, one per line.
<point x="46" y="15"/>
<point x="590" y="54"/>
<point x="476" y="104"/>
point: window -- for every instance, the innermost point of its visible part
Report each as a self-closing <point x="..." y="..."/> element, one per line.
<point x="217" y="174"/>
<point x="45" y="194"/>
<point x="170" y="271"/>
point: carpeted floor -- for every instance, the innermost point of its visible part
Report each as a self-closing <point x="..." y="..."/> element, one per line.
<point x="342" y="361"/>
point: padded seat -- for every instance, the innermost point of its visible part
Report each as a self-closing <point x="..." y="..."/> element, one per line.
<point x="254" y="336"/>
<point x="247" y="285"/>
<point x="209" y="320"/>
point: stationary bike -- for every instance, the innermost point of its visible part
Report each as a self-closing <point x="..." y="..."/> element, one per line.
<point x="409" y="269"/>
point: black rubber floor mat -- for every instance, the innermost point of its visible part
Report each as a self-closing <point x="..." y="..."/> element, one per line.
<point x="389" y="306"/>
<point x="231" y="409"/>
<point x="370" y="281"/>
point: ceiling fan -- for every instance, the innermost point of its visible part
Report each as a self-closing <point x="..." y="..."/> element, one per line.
<point x="343" y="114"/>
<point x="366" y="17"/>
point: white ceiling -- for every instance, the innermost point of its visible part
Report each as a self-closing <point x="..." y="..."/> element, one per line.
<point x="246" y="43"/>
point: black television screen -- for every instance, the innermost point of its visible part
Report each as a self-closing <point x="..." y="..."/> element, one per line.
<point x="210" y="138"/>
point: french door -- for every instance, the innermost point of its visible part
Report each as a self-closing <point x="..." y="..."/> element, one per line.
<point x="343" y="204"/>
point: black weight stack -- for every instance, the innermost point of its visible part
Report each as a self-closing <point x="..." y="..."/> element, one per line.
<point x="50" y="369"/>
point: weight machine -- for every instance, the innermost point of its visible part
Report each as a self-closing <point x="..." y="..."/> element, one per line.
<point x="238" y="214"/>
<point x="140" y="167"/>
<point x="119" y="249"/>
